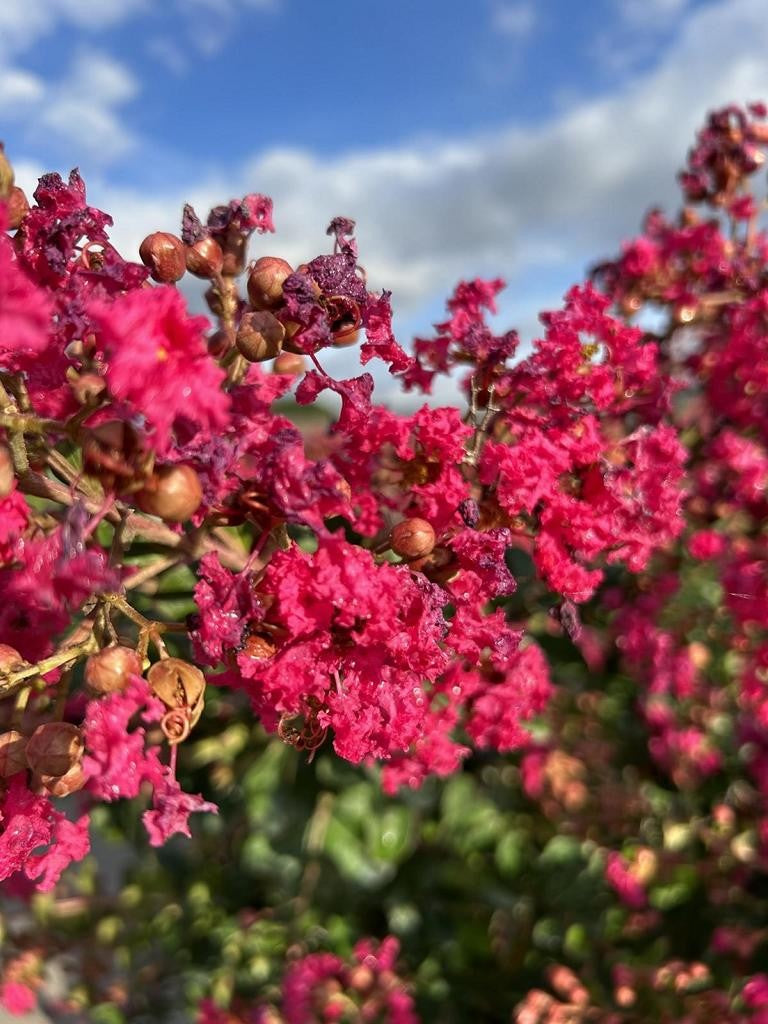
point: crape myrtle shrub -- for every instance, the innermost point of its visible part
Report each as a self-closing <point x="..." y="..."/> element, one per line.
<point x="318" y="651"/>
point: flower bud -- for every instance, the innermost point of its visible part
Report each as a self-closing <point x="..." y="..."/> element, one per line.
<point x="412" y="538"/>
<point x="260" y="336"/>
<point x="10" y="658"/>
<point x="109" y="670"/>
<point x="178" y="685"/>
<point x="221" y="341"/>
<point x="63" y="785"/>
<point x="204" y="258"/>
<point x="259" y="647"/>
<point x="345" y="338"/>
<point x="213" y="299"/>
<point x="164" y="254"/>
<point x="113" y="452"/>
<point x="18" y="207"/>
<point x="289" y="362"/>
<point x="265" y="282"/>
<point x="87" y="387"/>
<point x="53" y="748"/>
<point x="173" y="493"/>
<point x="7" y="475"/>
<point x="12" y="757"/>
<point x="234" y="245"/>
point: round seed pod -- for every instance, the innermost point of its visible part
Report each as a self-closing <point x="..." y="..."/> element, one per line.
<point x="265" y="282"/>
<point x="259" y="647"/>
<point x="178" y="685"/>
<point x="7" y="176"/>
<point x="345" y="338"/>
<point x="10" y="658"/>
<point x="289" y="362"/>
<point x="260" y="336"/>
<point x="7" y="474"/>
<point x="204" y="258"/>
<point x="53" y="748"/>
<point x="109" y="670"/>
<point x="17" y="208"/>
<point x="63" y="785"/>
<point x="412" y="538"/>
<point x="173" y="493"/>
<point x="164" y="254"/>
<point x="221" y="341"/>
<point x="113" y="451"/>
<point x="12" y="756"/>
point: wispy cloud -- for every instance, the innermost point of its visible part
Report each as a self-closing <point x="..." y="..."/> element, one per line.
<point x="19" y="89"/>
<point x="24" y="22"/>
<point x="650" y="13"/>
<point x="516" y="20"/>
<point x="81" y="109"/>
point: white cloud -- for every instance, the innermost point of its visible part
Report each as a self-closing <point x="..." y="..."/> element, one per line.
<point x="81" y="109"/>
<point x="651" y="13"/>
<point x="23" y="22"/>
<point x="169" y="54"/>
<point x="516" y="20"/>
<point x="19" y="89"/>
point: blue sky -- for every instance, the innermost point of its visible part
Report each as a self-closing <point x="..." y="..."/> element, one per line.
<point x="512" y="138"/>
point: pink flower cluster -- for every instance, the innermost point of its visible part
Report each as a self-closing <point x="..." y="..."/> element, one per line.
<point x="352" y="584"/>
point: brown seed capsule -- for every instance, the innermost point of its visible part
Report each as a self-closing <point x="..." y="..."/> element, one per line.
<point x="234" y="245"/>
<point x="178" y="685"/>
<point x="7" y="475"/>
<point x="173" y="493"/>
<point x="221" y="341"/>
<point x="289" y="362"/>
<point x="6" y="174"/>
<point x="12" y="757"/>
<point x="53" y="748"/>
<point x="213" y="297"/>
<point x="164" y="254"/>
<point x="204" y="258"/>
<point x="260" y="336"/>
<point x="345" y="338"/>
<point x="63" y="785"/>
<point x="18" y="207"/>
<point x="265" y="282"/>
<point x="110" y="669"/>
<point x="259" y="647"/>
<point x="412" y="538"/>
<point x="113" y="452"/>
<point x="10" y="658"/>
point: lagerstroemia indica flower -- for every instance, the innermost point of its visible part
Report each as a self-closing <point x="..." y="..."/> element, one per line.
<point x="354" y="581"/>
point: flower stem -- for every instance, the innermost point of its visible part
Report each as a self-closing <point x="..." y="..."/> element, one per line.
<point x="12" y="681"/>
